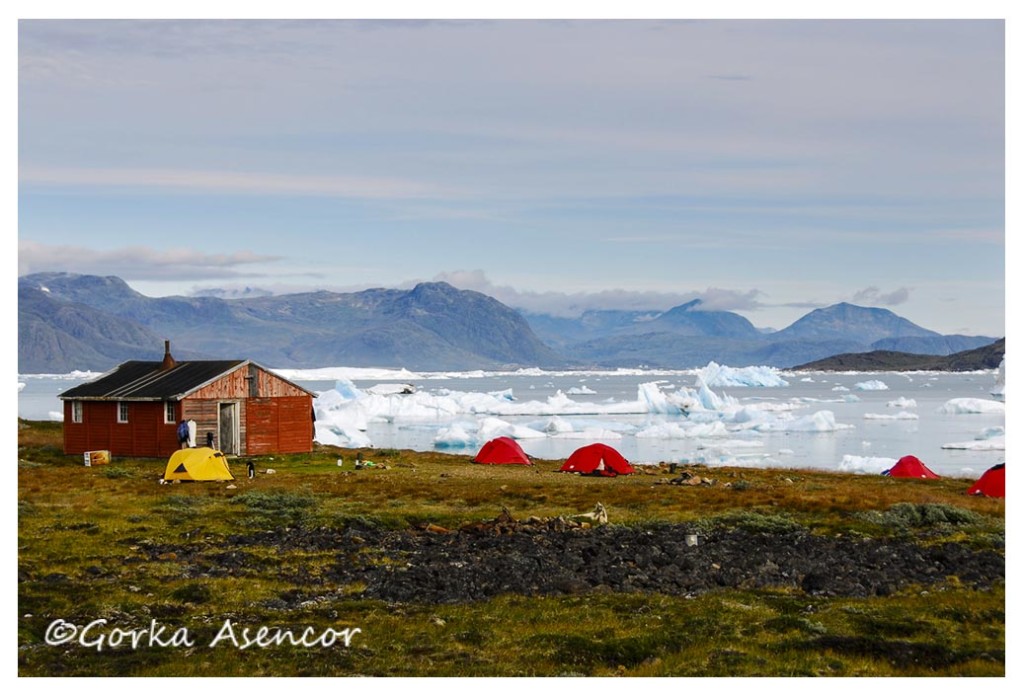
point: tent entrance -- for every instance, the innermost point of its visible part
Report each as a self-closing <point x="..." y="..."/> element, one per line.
<point x="227" y="427"/>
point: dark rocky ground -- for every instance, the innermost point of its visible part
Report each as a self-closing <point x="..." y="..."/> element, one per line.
<point x="476" y="564"/>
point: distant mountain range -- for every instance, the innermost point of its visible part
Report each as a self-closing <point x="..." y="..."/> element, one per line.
<point x="68" y="321"/>
<point x="687" y="336"/>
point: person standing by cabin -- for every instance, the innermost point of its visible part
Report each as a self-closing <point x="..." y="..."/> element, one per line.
<point x="183" y="434"/>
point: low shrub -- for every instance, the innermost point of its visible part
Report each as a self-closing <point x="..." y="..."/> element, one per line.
<point x="271" y="509"/>
<point x="910" y="515"/>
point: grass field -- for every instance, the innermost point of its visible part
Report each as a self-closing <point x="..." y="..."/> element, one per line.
<point x="83" y="536"/>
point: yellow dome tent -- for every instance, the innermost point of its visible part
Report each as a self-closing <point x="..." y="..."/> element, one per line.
<point x="198" y="464"/>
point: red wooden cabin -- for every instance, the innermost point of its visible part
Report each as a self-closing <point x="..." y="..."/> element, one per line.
<point x="134" y="410"/>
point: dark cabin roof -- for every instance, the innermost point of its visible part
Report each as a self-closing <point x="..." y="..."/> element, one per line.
<point x="142" y="379"/>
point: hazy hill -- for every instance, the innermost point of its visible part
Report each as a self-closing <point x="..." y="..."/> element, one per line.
<point x="845" y="321"/>
<point x="685" y="336"/>
<point x="984" y="358"/>
<point x="431" y="327"/>
<point x="68" y="321"/>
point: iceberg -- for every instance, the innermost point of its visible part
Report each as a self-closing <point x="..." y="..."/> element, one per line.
<point x="339" y="435"/>
<point x="556" y="425"/>
<point x="970" y="405"/>
<point x="820" y="422"/>
<point x="995" y="444"/>
<point x="902" y="402"/>
<point x="454" y="437"/>
<point x="1000" y="388"/>
<point x="679" y="431"/>
<point x="902" y="415"/>
<point x="988" y="440"/>
<point x="865" y="465"/>
<point x="575" y="391"/>
<point x="715" y="375"/>
<point x="466" y="419"/>
<point x="595" y="434"/>
<point x="490" y="428"/>
<point x="871" y="385"/>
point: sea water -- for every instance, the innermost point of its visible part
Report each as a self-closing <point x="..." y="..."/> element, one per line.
<point x="873" y="418"/>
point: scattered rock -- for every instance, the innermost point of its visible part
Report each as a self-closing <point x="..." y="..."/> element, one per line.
<point x="551" y="556"/>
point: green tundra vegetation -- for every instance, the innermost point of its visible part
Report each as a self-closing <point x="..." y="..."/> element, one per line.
<point x="107" y="543"/>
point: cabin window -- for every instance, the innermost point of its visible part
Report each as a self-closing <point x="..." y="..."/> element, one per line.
<point x="169" y="412"/>
<point x="122" y="412"/>
<point x="76" y="411"/>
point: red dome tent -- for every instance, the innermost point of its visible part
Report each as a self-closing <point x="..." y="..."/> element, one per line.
<point x="910" y="467"/>
<point x="992" y="483"/>
<point x="502" y="450"/>
<point x="597" y="459"/>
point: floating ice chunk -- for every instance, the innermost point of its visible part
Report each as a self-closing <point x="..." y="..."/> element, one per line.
<point x="21" y="385"/>
<point x="490" y="428"/>
<point x="677" y="431"/>
<point x="902" y="402"/>
<point x="819" y="422"/>
<point x="865" y="465"/>
<point x="1000" y="388"/>
<point x="596" y="434"/>
<point x="871" y="385"/>
<point x="334" y="434"/>
<point x="715" y="375"/>
<point x="579" y="390"/>
<point x="389" y="389"/>
<point x="731" y="444"/>
<point x="712" y="401"/>
<point x="454" y="437"/>
<point x="992" y="444"/>
<point x="555" y="425"/>
<point x="969" y="405"/>
<point x="902" y="415"/>
<point x="840" y="388"/>
<point x="347" y="390"/>
<point x="653" y="400"/>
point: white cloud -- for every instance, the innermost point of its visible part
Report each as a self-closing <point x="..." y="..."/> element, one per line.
<point x="569" y="304"/>
<point x="874" y="297"/>
<point x="136" y="263"/>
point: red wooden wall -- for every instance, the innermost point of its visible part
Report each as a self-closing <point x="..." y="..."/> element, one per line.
<point x="144" y="435"/>
<point x="283" y="424"/>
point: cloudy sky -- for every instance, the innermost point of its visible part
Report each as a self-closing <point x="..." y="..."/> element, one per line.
<point x="767" y="167"/>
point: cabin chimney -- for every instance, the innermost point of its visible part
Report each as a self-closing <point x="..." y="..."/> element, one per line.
<point x="169" y="361"/>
